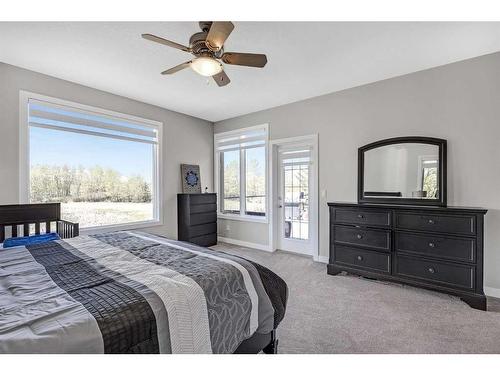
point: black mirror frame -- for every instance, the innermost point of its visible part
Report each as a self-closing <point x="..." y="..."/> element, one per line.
<point x="442" y="184"/>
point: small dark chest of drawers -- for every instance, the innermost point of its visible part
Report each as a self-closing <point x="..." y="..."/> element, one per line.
<point x="438" y="248"/>
<point x="197" y="218"/>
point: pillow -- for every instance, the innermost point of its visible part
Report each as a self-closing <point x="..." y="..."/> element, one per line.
<point x="23" y="241"/>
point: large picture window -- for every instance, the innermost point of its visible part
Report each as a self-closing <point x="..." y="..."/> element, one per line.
<point x="102" y="167"/>
<point x="241" y="159"/>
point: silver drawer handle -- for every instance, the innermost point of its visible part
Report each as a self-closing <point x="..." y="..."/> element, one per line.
<point x="430" y="221"/>
<point x="360" y="216"/>
<point x="360" y="257"/>
<point x="431" y="270"/>
<point x="359" y="236"/>
<point x="432" y="244"/>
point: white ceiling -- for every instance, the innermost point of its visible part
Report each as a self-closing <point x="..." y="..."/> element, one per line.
<point x="305" y="59"/>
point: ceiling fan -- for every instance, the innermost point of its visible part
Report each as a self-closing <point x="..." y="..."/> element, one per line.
<point x="208" y="48"/>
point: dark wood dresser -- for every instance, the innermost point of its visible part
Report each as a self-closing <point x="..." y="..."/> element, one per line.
<point x="197" y="218"/>
<point x="438" y="248"/>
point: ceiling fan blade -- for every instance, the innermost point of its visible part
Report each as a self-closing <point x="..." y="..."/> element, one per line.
<point x="176" y="68"/>
<point x="222" y="79"/>
<point x="255" y="60"/>
<point x="217" y="35"/>
<point x="166" y="42"/>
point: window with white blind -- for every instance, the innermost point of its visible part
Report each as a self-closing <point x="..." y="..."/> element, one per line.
<point x="102" y="166"/>
<point x="241" y="170"/>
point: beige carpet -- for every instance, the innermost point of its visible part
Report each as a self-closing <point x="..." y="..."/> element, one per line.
<point x="348" y="314"/>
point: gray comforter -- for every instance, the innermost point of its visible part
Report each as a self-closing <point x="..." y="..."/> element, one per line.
<point x="131" y="292"/>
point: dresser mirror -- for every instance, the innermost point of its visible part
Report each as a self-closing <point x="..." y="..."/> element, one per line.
<point x="404" y="170"/>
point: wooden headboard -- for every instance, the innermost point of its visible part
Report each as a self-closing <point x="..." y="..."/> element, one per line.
<point x="34" y="219"/>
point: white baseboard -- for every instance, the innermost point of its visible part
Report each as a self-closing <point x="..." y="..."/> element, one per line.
<point x="258" y="246"/>
<point x="492" y="292"/>
<point x="251" y="245"/>
<point x="321" y="259"/>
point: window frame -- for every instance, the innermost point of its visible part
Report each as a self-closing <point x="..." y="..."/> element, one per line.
<point x="242" y="216"/>
<point x="24" y="158"/>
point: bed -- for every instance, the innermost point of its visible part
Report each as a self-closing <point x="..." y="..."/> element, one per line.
<point x="130" y="292"/>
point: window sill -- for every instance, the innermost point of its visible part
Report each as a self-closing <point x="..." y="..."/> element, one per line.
<point x="117" y="227"/>
<point x="253" y="219"/>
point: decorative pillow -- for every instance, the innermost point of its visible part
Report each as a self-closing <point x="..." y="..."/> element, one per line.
<point x="23" y="241"/>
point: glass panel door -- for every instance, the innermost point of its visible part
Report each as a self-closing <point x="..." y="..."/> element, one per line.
<point x="294" y="199"/>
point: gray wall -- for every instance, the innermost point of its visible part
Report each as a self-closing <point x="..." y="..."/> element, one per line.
<point x="459" y="102"/>
<point x="257" y="233"/>
<point x="186" y="139"/>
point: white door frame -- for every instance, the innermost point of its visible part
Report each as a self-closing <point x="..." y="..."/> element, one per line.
<point x="305" y="140"/>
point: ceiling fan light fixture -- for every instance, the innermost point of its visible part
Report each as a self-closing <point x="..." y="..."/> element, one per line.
<point x="206" y="66"/>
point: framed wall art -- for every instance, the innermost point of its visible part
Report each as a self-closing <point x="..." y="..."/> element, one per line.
<point x="190" y="175"/>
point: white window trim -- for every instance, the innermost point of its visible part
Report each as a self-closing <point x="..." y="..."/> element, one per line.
<point x="242" y="216"/>
<point x="24" y="159"/>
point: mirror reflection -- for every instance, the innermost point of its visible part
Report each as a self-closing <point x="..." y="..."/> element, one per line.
<point x="403" y="170"/>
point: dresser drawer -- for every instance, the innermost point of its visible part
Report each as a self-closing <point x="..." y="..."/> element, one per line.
<point x="205" y="240"/>
<point x="198" y="230"/>
<point x="462" y="249"/>
<point x="449" y="274"/>
<point x="204" y="218"/>
<point x="359" y="258"/>
<point x="202" y="198"/>
<point x="369" y="238"/>
<point x="460" y="224"/>
<point x="202" y="208"/>
<point x="367" y="217"/>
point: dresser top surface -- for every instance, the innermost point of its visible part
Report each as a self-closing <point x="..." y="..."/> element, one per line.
<point x="409" y="207"/>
